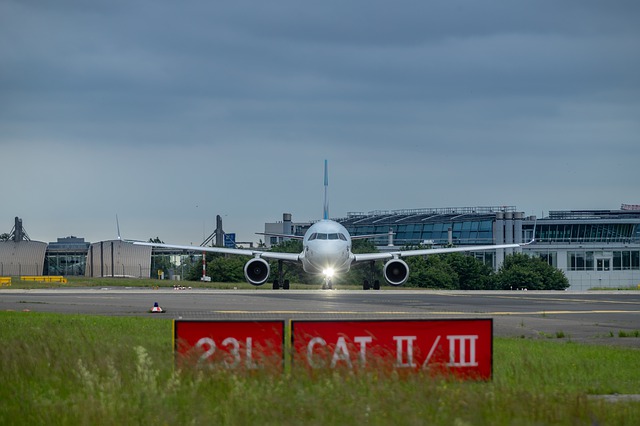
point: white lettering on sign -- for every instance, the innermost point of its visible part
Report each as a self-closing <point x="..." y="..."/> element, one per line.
<point x="431" y="351"/>
<point x="458" y="356"/>
<point x="340" y="352"/>
<point x="462" y="351"/>
<point x="363" y="340"/>
<point x="404" y="345"/>
<point x="312" y="343"/>
<point x="235" y="358"/>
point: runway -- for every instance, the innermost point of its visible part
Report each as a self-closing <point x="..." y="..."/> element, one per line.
<point x="611" y="318"/>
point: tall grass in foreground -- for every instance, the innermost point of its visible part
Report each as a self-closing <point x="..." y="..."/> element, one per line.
<point x="71" y="369"/>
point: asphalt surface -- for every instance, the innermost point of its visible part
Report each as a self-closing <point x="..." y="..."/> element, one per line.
<point x="591" y="317"/>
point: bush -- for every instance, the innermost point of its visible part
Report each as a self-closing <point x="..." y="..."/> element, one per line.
<point x="533" y="273"/>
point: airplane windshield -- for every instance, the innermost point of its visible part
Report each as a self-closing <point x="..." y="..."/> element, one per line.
<point x="332" y="236"/>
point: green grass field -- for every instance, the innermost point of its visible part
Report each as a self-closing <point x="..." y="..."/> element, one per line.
<point x="80" y="369"/>
<point x="74" y="282"/>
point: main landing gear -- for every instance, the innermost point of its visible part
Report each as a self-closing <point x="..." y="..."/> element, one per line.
<point x="280" y="281"/>
<point x="366" y="285"/>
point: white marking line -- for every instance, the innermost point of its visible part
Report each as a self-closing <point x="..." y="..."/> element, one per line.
<point x="568" y="300"/>
<point x="524" y="296"/>
<point x="504" y="313"/>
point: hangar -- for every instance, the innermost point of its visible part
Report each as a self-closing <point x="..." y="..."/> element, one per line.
<point x="19" y="255"/>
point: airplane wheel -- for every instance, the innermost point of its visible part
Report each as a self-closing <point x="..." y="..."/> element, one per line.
<point x="276" y="285"/>
<point x="330" y="285"/>
<point x="376" y="285"/>
<point x="285" y="285"/>
<point x="365" y="285"/>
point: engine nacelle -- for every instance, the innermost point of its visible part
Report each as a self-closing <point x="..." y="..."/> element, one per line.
<point x="396" y="272"/>
<point x="256" y="271"/>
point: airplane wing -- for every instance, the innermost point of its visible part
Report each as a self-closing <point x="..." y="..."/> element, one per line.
<point x="271" y="234"/>
<point x="422" y="252"/>
<point x="362" y="237"/>
<point x="293" y="257"/>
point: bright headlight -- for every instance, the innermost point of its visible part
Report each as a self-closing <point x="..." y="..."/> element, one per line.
<point x="328" y="272"/>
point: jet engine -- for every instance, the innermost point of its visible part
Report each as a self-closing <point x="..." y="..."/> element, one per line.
<point x="256" y="271"/>
<point x="396" y="272"/>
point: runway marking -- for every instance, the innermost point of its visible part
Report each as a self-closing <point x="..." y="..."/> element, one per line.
<point x="622" y="302"/>
<point x="524" y="296"/>
<point x="317" y="312"/>
<point x="500" y="313"/>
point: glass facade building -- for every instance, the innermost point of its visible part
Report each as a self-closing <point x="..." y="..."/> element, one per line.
<point x="67" y="256"/>
<point x="594" y="248"/>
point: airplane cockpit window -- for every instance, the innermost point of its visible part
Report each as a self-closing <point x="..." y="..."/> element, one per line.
<point x="333" y="236"/>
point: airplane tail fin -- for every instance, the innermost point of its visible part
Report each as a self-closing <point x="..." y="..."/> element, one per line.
<point x="326" y="185"/>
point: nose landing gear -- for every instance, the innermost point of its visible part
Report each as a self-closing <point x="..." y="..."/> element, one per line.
<point x="327" y="284"/>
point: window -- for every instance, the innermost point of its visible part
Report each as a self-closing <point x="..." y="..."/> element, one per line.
<point x="626" y="260"/>
<point x="548" y="256"/>
<point x="602" y="264"/>
<point x="580" y="260"/>
<point x="617" y="260"/>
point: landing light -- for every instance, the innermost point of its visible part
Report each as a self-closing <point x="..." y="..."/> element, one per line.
<point x="328" y="272"/>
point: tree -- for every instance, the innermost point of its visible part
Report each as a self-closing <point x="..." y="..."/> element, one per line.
<point x="226" y="269"/>
<point x="472" y="273"/>
<point x="431" y="272"/>
<point x="292" y="271"/>
<point x="530" y="272"/>
<point x="362" y="271"/>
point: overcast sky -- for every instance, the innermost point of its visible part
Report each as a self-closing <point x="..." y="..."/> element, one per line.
<point x="167" y="113"/>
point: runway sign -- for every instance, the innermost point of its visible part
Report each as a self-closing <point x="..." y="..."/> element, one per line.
<point x="460" y="347"/>
<point x="463" y="348"/>
<point x="234" y="345"/>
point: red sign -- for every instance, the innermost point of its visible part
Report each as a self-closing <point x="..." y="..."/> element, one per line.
<point x="237" y="345"/>
<point x="460" y="347"/>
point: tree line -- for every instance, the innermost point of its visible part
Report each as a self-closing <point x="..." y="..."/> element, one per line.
<point x="452" y="271"/>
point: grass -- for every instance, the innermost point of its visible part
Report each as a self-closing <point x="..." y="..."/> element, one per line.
<point x="78" y="369"/>
<point x="75" y="282"/>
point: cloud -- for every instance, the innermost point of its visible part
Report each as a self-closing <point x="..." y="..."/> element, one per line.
<point x="151" y="108"/>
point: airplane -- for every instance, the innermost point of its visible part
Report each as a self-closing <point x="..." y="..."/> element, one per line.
<point x="326" y="251"/>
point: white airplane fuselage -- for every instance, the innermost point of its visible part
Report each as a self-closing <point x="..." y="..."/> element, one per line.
<point x="326" y="248"/>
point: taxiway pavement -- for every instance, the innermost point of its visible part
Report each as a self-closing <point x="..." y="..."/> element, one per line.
<point x="593" y="317"/>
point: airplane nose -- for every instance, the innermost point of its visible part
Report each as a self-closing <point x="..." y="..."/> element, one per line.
<point x="324" y="256"/>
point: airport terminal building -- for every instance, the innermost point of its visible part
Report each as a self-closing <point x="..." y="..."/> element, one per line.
<point x="594" y="248"/>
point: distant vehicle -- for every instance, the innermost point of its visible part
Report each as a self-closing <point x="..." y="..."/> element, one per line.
<point x="326" y="251"/>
